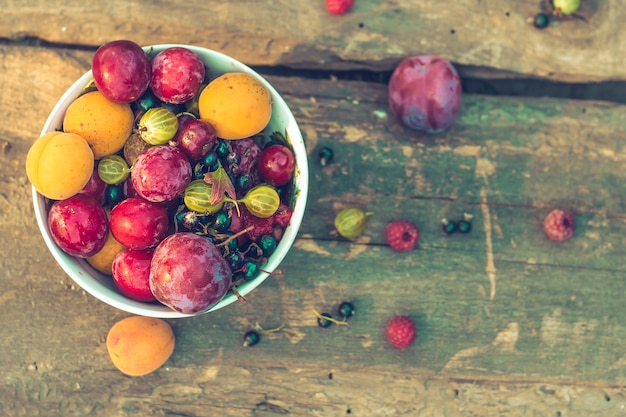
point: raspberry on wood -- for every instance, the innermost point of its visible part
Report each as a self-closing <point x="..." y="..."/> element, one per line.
<point x="559" y="224"/>
<point x="339" y="7"/>
<point x="400" y="331"/>
<point x="402" y="235"/>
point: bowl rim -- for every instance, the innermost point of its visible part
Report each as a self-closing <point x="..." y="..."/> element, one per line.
<point x="77" y="268"/>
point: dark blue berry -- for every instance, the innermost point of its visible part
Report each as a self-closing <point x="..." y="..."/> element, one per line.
<point x="464" y="226"/>
<point x="221" y="222"/>
<point x="325" y="156"/>
<point x="244" y="183"/>
<point x="114" y="194"/>
<point x="541" y="21"/>
<point x="250" y="270"/>
<point x="233" y="245"/>
<point x="251" y="338"/>
<point x="236" y="260"/>
<point x="346" y="309"/>
<point x="210" y="161"/>
<point x="268" y="244"/>
<point x="147" y="101"/>
<point x="449" y="226"/>
<point x="222" y="149"/>
<point x="322" y="320"/>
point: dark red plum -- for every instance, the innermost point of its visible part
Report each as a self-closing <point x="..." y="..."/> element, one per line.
<point x="161" y="173"/>
<point x="188" y="273"/>
<point x="177" y="75"/>
<point x="121" y="71"/>
<point x="139" y="224"/>
<point x="196" y="139"/>
<point x="131" y="274"/>
<point x="78" y="225"/>
<point x="95" y="187"/>
<point x="276" y="165"/>
<point x="425" y="93"/>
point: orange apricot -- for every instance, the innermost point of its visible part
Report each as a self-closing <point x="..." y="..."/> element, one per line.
<point x="103" y="260"/>
<point x="237" y="105"/>
<point x="140" y="345"/>
<point x="59" y="164"/>
<point x="105" y="125"/>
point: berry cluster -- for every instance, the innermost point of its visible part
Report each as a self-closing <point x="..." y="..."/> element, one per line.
<point x="245" y="239"/>
<point x="463" y="225"/>
<point x="345" y="310"/>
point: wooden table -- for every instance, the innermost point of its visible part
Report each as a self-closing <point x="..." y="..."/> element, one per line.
<point x="510" y="323"/>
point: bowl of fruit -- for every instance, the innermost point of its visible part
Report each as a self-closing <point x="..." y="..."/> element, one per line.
<point x="169" y="180"/>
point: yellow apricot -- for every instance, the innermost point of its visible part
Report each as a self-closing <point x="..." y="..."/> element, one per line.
<point x="236" y="104"/>
<point x="103" y="260"/>
<point x="140" y="345"/>
<point x="59" y="164"/>
<point x="105" y="125"/>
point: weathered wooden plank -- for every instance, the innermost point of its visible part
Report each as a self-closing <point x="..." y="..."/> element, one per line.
<point x="518" y="325"/>
<point x="483" y="38"/>
<point x="219" y="387"/>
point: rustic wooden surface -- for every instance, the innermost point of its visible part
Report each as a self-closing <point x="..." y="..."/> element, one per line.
<point x="510" y="324"/>
<point x="493" y="37"/>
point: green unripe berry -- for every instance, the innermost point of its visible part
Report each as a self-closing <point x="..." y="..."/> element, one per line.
<point x="566" y="6"/>
<point x="350" y="222"/>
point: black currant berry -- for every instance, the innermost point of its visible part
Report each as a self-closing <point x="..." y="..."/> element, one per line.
<point x="210" y="161"/>
<point x="267" y="244"/>
<point x="221" y="222"/>
<point x="325" y="155"/>
<point x="250" y="270"/>
<point x="449" y="226"/>
<point x="251" y="338"/>
<point x="346" y="309"/>
<point x="464" y="226"/>
<point x="322" y="320"/>
<point x="222" y="149"/>
<point x="541" y="20"/>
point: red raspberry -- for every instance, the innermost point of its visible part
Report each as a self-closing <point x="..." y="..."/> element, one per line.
<point x="339" y="7"/>
<point x="261" y="226"/>
<point x="402" y="235"/>
<point x="559" y="225"/>
<point x="282" y="215"/>
<point x="400" y="331"/>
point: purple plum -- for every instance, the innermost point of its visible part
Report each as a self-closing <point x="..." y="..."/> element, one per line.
<point x="188" y="273"/>
<point x="425" y="93"/>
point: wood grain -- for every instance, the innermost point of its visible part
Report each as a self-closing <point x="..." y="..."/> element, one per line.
<point x="483" y="38"/>
<point x="509" y="322"/>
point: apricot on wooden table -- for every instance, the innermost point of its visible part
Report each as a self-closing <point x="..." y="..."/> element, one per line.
<point x="140" y="345"/>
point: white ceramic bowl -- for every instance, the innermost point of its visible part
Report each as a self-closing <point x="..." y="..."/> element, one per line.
<point x="100" y="285"/>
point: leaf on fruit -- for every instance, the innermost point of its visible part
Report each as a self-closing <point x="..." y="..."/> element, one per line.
<point x="221" y="184"/>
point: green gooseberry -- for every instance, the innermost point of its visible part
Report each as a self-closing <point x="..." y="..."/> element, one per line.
<point x="197" y="197"/>
<point x="351" y="221"/>
<point x="158" y="126"/>
<point x="262" y="201"/>
<point x="113" y="169"/>
<point x="565" y="7"/>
